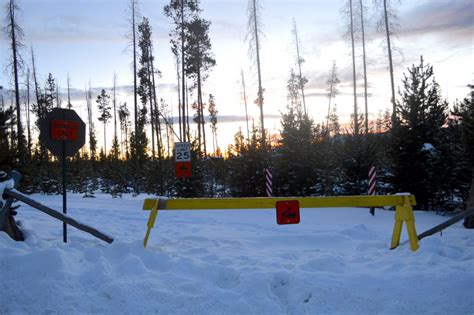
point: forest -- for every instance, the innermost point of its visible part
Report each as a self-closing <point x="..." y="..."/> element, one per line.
<point x="421" y="144"/>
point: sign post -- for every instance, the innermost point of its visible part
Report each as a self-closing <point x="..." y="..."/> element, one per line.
<point x="63" y="133"/>
<point x="372" y="183"/>
<point x="182" y="157"/>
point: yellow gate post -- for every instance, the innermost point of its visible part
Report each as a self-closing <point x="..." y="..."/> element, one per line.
<point x="150" y="204"/>
<point x="404" y="214"/>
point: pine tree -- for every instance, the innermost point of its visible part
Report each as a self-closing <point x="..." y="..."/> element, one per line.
<point x="213" y="114"/>
<point x="145" y="74"/>
<point x="417" y="134"/>
<point x="295" y="173"/>
<point x="246" y="162"/>
<point x="199" y="61"/>
<point x="45" y="103"/>
<point x="103" y="104"/>
<point x="181" y="12"/>
<point x="124" y="115"/>
<point x="7" y="120"/>
<point x="91" y="127"/>
<point x="138" y="153"/>
<point x="332" y="90"/>
<point x="134" y="12"/>
<point x="464" y="111"/>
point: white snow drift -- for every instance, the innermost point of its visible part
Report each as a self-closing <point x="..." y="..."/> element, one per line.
<point x="232" y="262"/>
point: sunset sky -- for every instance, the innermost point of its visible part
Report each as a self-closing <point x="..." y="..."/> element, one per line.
<point x="87" y="40"/>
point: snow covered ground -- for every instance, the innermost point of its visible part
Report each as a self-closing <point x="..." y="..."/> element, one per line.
<point x="232" y="262"/>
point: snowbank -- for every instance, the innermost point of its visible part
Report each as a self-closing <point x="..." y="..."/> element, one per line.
<point x="8" y="184"/>
<point x="212" y="262"/>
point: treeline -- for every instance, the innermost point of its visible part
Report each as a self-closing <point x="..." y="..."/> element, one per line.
<point x="428" y="152"/>
<point x="419" y="146"/>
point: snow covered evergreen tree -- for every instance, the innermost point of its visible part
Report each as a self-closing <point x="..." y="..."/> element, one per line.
<point x="417" y="135"/>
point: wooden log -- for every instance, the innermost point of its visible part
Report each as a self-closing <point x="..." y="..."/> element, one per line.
<point x="5" y="212"/>
<point x="58" y="215"/>
<point x="7" y="221"/>
<point x="446" y="224"/>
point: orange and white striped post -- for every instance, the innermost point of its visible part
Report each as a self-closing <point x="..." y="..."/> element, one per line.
<point x="269" y="182"/>
<point x="372" y="183"/>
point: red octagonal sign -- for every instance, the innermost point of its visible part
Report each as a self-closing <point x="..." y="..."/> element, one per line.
<point x="62" y="131"/>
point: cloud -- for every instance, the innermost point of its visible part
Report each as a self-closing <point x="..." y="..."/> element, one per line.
<point x="237" y="118"/>
<point x="86" y="21"/>
<point x="454" y="18"/>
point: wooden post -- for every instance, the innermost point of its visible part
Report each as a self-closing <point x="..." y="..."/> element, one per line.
<point x="7" y="222"/>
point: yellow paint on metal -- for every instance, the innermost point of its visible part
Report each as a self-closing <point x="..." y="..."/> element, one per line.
<point x="269" y="203"/>
<point x="150" y="204"/>
<point x="404" y="214"/>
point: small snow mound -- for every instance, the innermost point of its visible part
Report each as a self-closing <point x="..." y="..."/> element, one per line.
<point x="8" y="184"/>
<point x="325" y="263"/>
<point x="227" y="278"/>
<point x="359" y="232"/>
<point x="131" y="266"/>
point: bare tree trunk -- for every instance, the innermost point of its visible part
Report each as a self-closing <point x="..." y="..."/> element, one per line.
<point x="159" y="140"/>
<point x="69" y="105"/>
<point x="121" y="140"/>
<point x="331" y="93"/>
<point x="183" y="73"/>
<point x="34" y="77"/>
<point x="299" y="61"/>
<point x="58" y="102"/>
<point x="14" y="46"/>
<point x="245" y="102"/>
<point x="152" y="111"/>
<point x="126" y="141"/>
<point x="389" y="48"/>
<point x="356" y="115"/>
<point x="90" y="122"/>
<point x="179" y="98"/>
<point x="28" y="121"/>
<point x="115" y="107"/>
<point x="135" y="102"/>
<point x="199" y="120"/>
<point x="260" y="91"/>
<point x="365" y="67"/>
<point x="188" y="129"/>
<point x="201" y="123"/>
<point x="105" y="140"/>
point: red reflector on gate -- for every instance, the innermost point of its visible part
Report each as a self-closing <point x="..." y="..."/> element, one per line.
<point x="64" y="129"/>
<point x="183" y="169"/>
<point x="288" y="212"/>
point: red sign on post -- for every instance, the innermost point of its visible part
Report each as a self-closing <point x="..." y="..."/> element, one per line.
<point x="288" y="212"/>
<point x="182" y="157"/>
<point x="183" y="169"/>
<point x="64" y="130"/>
